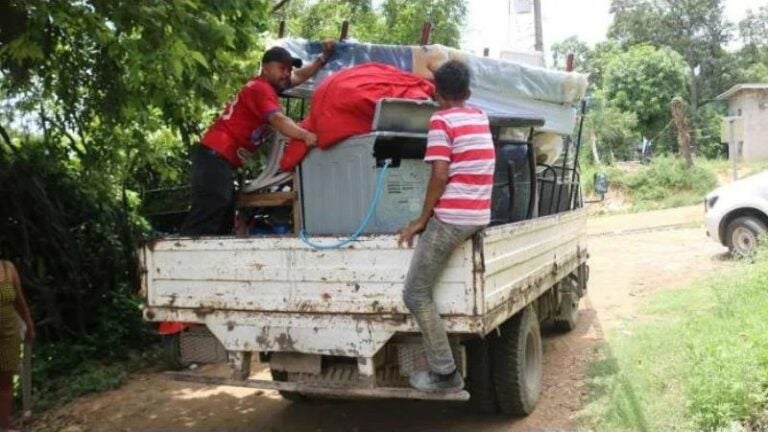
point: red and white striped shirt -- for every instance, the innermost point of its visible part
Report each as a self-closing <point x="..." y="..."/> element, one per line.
<point x="462" y="137"/>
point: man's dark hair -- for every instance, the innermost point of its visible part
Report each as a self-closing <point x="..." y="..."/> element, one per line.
<point x="452" y="80"/>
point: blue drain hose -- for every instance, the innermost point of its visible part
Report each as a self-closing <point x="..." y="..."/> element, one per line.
<point x="363" y="224"/>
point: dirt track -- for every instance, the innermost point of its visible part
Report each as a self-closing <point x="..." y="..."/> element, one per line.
<point x="626" y="268"/>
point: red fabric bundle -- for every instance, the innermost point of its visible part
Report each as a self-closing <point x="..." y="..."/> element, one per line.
<point x="343" y="105"/>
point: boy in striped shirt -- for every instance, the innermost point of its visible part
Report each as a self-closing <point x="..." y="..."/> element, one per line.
<point x="457" y="205"/>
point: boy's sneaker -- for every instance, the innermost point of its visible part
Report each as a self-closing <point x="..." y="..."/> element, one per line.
<point x="428" y="381"/>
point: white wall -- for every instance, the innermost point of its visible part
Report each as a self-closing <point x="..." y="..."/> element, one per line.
<point x="752" y="105"/>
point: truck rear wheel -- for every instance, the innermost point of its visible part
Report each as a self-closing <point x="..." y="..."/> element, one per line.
<point x="482" y="398"/>
<point x="516" y="364"/>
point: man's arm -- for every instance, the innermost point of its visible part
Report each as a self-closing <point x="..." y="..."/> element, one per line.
<point x="435" y="188"/>
<point x="300" y="75"/>
<point x="289" y="128"/>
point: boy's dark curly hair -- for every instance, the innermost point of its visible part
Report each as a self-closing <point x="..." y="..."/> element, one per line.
<point x="452" y="81"/>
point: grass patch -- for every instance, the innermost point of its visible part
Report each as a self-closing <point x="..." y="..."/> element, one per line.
<point x="698" y="361"/>
<point x="724" y="167"/>
<point x="664" y="183"/>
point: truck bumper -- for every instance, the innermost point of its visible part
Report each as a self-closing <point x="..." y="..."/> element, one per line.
<point x="345" y="392"/>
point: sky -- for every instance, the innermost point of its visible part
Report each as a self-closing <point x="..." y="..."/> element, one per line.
<point x="490" y="26"/>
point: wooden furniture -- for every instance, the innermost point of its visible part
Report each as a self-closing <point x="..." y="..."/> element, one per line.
<point x="268" y="199"/>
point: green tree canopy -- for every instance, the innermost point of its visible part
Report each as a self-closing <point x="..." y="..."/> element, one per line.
<point x="695" y="29"/>
<point x="404" y="19"/>
<point x="751" y="61"/>
<point x="115" y="82"/>
<point x="582" y="54"/>
<point x="643" y="80"/>
<point x="395" y="22"/>
<point x="609" y="129"/>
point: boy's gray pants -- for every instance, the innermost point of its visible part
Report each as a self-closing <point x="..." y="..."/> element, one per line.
<point x="434" y="248"/>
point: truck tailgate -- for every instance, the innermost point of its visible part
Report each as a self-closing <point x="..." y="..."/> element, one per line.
<point x="282" y="274"/>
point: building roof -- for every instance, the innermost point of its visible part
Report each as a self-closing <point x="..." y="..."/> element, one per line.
<point x="739" y="87"/>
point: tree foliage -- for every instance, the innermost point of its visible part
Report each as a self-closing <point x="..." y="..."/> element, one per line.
<point x="319" y="20"/>
<point x="114" y="81"/>
<point x="582" y="54"/>
<point x="404" y="19"/>
<point x="394" y="22"/>
<point x="696" y="32"/>
<point x="643" y="80"/>
<point x="610" y="130"/>
<point x="695" y="29"/>
<point x="101" y="100"/>
<point x="751" y="61"/>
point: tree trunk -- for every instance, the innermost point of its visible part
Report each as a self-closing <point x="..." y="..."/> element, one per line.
<point x="593" y="144"/>
<point x="694" y="95"/>
<point x="683" y="131"/>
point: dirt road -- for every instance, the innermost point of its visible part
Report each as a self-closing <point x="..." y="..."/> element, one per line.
<point x="626" y="268"/>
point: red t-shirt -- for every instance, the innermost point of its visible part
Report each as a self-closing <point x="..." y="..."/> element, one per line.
<point x="245" y="121"/>
<point x="462" y="137"/>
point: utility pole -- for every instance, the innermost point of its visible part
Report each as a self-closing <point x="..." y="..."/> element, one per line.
<point x="537" y="22"/>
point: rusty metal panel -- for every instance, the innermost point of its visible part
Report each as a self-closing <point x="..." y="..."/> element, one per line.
<point x="296" y="362"/>
<point x="276" y="294"/>
<point x="351" y="335"/>
<point x="522" y="260"/>
<point x="284" y="275"/>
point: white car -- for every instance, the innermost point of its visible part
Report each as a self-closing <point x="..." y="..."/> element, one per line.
<point x="737" y="213"/>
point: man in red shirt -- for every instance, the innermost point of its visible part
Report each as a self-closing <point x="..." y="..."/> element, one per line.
<point x="243" y="125"/>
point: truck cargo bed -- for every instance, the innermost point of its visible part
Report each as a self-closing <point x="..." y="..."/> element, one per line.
<point x="278" y="294"/>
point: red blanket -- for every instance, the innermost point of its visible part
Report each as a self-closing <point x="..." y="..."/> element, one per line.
<point x="343" y="105"/>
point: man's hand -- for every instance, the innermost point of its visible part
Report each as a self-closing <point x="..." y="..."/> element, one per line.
<point x="407" y="233"/>
<point x="329" y="46"/>
<point x="310" y="139"/>
<point x="300" y="75"/>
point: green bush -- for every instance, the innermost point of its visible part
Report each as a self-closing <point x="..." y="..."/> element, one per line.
<point x="708" y="121"/>
<point x="666" y="182"/>
<point x="73" y="241"/>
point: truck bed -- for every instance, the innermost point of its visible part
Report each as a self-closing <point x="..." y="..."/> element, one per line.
<point x="278" y="294"/>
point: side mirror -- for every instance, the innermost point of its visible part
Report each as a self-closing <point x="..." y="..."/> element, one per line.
<point x="601" y="184"/>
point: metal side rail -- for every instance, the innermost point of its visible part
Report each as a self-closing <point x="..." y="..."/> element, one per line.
<point x="351" y="392"/>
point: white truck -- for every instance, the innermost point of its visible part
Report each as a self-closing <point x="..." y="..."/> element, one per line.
<point x="332" y="322"/>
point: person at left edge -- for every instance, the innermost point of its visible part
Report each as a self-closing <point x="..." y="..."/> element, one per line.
<point x="242" y="126"/>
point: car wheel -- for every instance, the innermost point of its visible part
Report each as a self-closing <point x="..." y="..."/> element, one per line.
<point x="742" y="235"/>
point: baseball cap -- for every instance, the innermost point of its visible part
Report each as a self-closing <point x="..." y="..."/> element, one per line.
<point x="280" y="54"/>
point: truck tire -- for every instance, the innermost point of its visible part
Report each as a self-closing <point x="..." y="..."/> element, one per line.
<point x="482" y="396"/>
<point x="291" y="396"/>
<point x="742" y="235"/>
<point x="568" y="310"/>
<point x="516" y="364"/>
